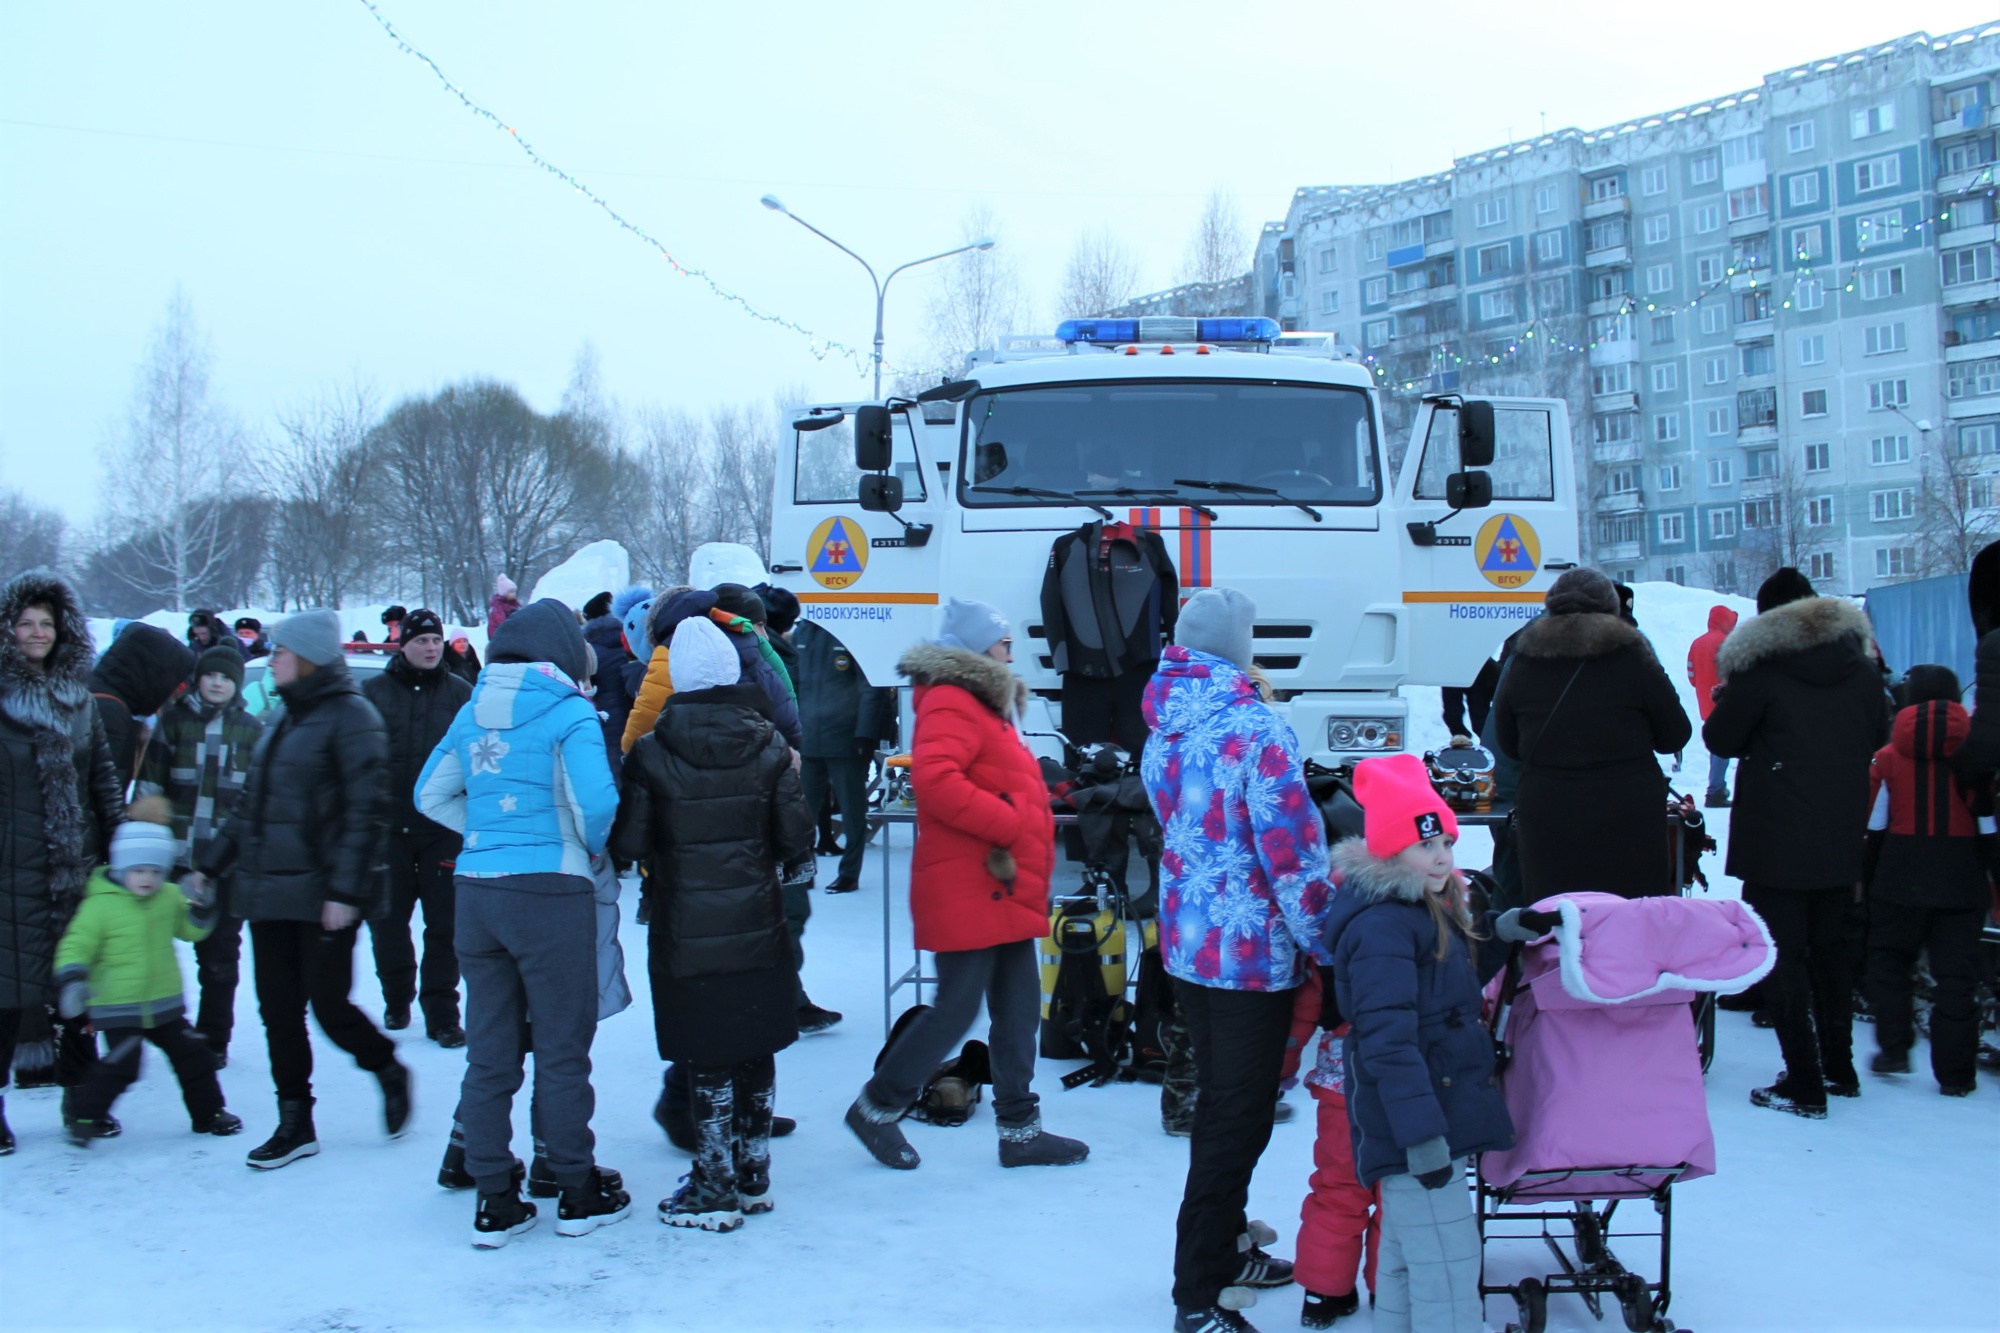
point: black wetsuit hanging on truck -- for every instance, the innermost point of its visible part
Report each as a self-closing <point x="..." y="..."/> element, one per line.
<point x="1110" y="597"/>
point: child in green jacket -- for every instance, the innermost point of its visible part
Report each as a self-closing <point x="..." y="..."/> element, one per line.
<point x="117" y="961"/>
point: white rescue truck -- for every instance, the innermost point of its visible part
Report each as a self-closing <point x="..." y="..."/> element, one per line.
<point x="1260" y="459"/>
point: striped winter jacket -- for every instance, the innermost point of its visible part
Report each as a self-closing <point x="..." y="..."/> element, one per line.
<point x="198" y="759"/>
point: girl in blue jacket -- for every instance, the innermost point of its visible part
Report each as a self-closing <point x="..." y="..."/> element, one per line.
<point x="1421" y="1091"/>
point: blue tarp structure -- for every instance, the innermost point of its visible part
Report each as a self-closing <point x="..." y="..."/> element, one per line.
<point x="1925" y="620"/>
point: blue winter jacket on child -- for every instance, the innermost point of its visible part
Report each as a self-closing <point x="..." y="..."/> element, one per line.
<point x="522" y="774"/>
<point x="1419" y="1060"/>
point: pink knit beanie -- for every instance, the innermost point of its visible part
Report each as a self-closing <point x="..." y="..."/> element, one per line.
<point x="1403" y="808"/>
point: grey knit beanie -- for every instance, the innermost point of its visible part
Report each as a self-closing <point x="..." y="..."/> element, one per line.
<point x="313" y="636"/>
<point x="1218" y="621"/>
<point x="973" y="626"/>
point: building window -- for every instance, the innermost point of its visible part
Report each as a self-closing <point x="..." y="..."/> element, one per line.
<point x="1677" y="574"/>
<point x="1375" y="291"/>
<point x="1966" y="155"/>
<point x="1328" y="260"/>
<point x="1622" y="481"/>
<point x="1607" y="187"/>
<point x="1614" y="428"/>
<point x="1329" y="302"/>
<point x="1752" y="202"/>
<point x="1410" y="231"/>
<point x="1720" y="421"/>
<point x="1803" y="189"/>
<point x="1489" y="212"/>
<point x="1714" y="319"/>
<point x="1760" y="359"/>
<point x="1977" y="492"/>
<point x="1819" y="512"/>
<point x="1496" y="305"/>
<point x="1374" y="246"/>
<point x="1721" y="524"/>
<point x="1721" y="471"/>
<point x="1617" y="531"/>
<point x="1659" y="228"/>
<point x="1808" y="244"/>
<point x="1980" y="438"/>
<point x="1877" y="283"/>
<point x="1885" y="450"/>
<point x="1819" y="566"/>
<point x="1659" y="277"/>
<point x="1872" y="121"/>
<point x="1878" y="173"/>
<point x="1880" y="339"/>
<point x="1810" y="294"/>
<point x="1703" y="168"/>
<point x="1548" y="246"/>
<point x="1812" y="349"/>
<point x="1819" y="457"/>
<point x="1708" y="270"/>
<point x="1667" y="427"/>
<point x="1707" y="218"/>
<point x="1885" y="394"/>
<point x="1896" y="562"/>
<point x="1742" y="148"/>
<point x="1611" y="328"/>
<point x="1812" y="403"/>
<point x="1673" y="529"/>
<point x="1652" y="181"/>
<point x="1892" y="506"/>
<point x="1972" y="264"/>
<point x="1799" y="136"/>
<point x="1553" y="293"/>
<point x="1376" y="333"/>
<point x="1666" y="377"/>
<point x="1973" y="379"/>
<point x="1546" y="201"/>
<point x="1715" y="370"/>
<point x="1493" y="260"/>
<point x="1611" y="379"/>
<point x="1670" y="477"/>
<point x="1760" y="463"/>
<point x="1877" y="229"/>
<point x="1757" y="407"/>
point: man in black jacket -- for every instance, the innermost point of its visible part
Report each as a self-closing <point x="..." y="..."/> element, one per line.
<point x="305" y="846"/>
<point x="1801" y="705"/>
<point x="417" y="696"/>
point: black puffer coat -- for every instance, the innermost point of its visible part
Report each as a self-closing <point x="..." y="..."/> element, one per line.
<point x="1802" y="707"/>
<point x="417" y="708"/>
<point x="59" y="794"/>
<point x="310" y="824"/>
<point x="712" y="801"/>
<point x="1978" y="760"/>
<point x="136" y="678"/>
<point x="1584" y="706"/>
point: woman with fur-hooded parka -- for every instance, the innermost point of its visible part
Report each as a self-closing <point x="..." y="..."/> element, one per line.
<point x="1584" y="705"/>
<point x="58" y="788"/>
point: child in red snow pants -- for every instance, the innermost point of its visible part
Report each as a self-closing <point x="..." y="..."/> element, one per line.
<point x="1340" y="1215"/>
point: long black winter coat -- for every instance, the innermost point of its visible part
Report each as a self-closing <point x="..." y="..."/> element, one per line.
<point x="59" y="795"/>
<point x="135" y="678"/>
<point x="1802" y="707"/>
<point x="606" y="637"/>
<point x="1590" y="802"/>
<point x="712" y="802"/>
<point x="310" y="824"/>
<point x="837" y="705"/>
<point x="416" y="708"/>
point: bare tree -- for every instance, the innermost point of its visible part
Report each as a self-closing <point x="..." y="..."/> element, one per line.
<point x="180" y="456"/>
<point x="1958" y="505"/>
<point x="745" y="459"/>
<point x="1101" y="275"/>
<point x="669" y="506"/>
<point x="31" y="535"/>
<point x="326" y="539"/>
<point x="1220" y="247"/>
<point x="1777" y="523"/>
<point x="975" y="298"/>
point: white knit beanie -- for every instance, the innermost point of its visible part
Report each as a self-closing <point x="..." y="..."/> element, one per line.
<point x="700" y="657"/>
<point x="139" y="843"/>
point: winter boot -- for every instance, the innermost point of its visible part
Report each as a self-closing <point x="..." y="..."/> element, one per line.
<point x="218" y="1046"/>
<point x="448" y="1034"/>
<point x="814" y="1020"/>
<point x="1029" y="1144"/>
<point x="1320" y="1311"/>
<point x="222" y="1124"/>
<point x="844" y="884"/>
<point x="396" y="1017"/>
<point x="679" y="1127"/>
<point x="1843" y="1083"/>
<point x="1225" y="1316"/>
<point x="702" y="1204"/>
<point x="598" y="1202"/>
<point x="781" y="1125"/>
<point x="1783" y="1096"/>
<point x="107" y="1126"/>
<point x="882" y="1136"/>
<point x="1717" y="800"/>
<point x="542" y="1183"/>
<point x="500" y="1218"/>
<point x="6" y="1134"/>
<point x="293" y="1139"/>
<point x="82" y="1132"/>
<point x="395" y="1080"/>
<point x="753" y="1186"/>
<point x="1260" y="1269"/>
<point x="452" y="1174"/>
<point x="1964" y="1089"/>
<point x="1890" y="1062"/>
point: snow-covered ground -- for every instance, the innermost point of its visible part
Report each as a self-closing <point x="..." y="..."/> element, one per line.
<point x="1881" y="1218"/>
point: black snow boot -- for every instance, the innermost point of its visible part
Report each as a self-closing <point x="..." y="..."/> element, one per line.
<point x="452" y="1174"/>
<point x="82" y="1132"/>
<point x="107" y="1126"/>
<point x="1890" y="1062"/>
<point x="679" y="1125"/>
<point x="293" y="1139"/>
<point x="222" y="1124"/>
<point x="395" y="1080"/>
<point x="703" y="1204"/>
<point x="1783" y="1096"/>
<point x="1320" y="1311"/>
<point x="881" y="1135"/>
<point x="598" y="1202"/>
<point x="542" y="1183"/>
<point x="1030" y="1145"/>
<point x="814" y="1020"/>
<point x="500" y="1218"/>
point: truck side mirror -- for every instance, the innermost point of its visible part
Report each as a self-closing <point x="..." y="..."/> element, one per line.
<point x="1466" y="490"/>
<point x="881" y="492"/>
<point x="873" y="445"/>
<point x="1475" y="433"/>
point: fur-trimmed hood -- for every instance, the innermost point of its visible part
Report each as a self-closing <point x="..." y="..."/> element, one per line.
<point x="1796" y="627"/>
<point x="984" y="679"/>
<point x="1378" y="879"/>
<point x="33" y="698"/>
<point x="1584" y="634"/>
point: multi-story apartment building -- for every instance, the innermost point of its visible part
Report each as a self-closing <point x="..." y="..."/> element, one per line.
<point x="1775" y="314"/>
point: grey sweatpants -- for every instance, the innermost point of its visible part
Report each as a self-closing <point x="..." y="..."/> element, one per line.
<point x="528" y="953"/>
<point x="1427" y="1280"/>
<point x="1006" y="978"/>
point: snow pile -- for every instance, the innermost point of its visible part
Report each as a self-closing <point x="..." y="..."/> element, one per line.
<point x="598" y="567"/>
<point x="725" y="562"/>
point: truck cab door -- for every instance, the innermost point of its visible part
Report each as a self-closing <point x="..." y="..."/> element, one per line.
<point x="1472" y="578"/>
<point x="867" y="578"/>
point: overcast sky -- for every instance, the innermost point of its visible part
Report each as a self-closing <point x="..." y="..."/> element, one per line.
<point x="332" y="212"/>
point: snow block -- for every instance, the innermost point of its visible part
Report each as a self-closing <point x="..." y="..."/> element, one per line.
<point x="599" y="567"/>
<point x="725" y="562"/>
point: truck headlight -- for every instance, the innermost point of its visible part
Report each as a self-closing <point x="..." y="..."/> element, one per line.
<point x="1362" y="733"/>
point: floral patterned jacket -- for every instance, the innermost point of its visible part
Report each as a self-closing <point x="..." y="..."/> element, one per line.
<point x="1243" y="882"/>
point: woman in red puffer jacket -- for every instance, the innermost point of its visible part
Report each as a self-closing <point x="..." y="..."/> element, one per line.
<point x="979" y="890"/>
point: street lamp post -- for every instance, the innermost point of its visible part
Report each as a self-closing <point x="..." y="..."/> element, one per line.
<point x="881" y="284"/>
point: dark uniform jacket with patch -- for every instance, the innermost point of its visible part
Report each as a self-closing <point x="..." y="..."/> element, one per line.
<point x="837" y="705"/>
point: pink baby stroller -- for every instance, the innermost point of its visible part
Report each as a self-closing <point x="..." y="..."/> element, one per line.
<point x="1603" y="1077"/>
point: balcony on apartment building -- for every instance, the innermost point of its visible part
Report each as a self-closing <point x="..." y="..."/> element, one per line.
<point x="1616" y="206"/>
<point x="1608" y="256"/>
<point x="1751" y="225"/>
<point x="1959" y="348"/>
<point x="1750" y="279"/>
<point x="1619" y="502"/>
<point x="1612" y="552"/>
<point x="1445" y="293"/>
<point x="1615" y="353"/>
<point x="1618" y="451"/>
<point x="1962" y="294"/>
<point x="1766" y="433"/>
<point x="1604" y="404"/>
<point x="1981" y="177"/>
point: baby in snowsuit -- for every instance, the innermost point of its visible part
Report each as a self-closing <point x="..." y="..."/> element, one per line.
<point x="1339" y="1212"/>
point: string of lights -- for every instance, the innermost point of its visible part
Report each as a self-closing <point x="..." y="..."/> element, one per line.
<point x="821" y="347"/>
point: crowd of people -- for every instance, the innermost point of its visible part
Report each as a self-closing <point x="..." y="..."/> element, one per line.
<point x="703" y="736"/>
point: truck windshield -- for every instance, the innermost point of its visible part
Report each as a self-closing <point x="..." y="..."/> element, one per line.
<point x="1297" y="442"/>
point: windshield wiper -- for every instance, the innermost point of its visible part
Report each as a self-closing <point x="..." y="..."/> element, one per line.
<point x="1126" y="491"/>
<point x="1042" y="494"/>
<point x="1245" y="488"/>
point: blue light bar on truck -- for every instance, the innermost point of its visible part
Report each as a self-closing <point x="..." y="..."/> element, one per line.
<point x="1168" y="329"/>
